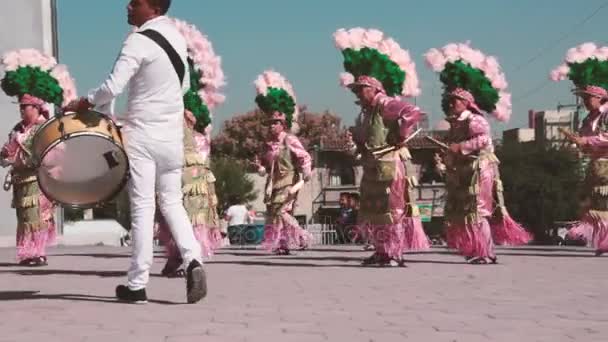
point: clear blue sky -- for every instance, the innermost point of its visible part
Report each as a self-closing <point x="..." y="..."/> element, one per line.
<point x="295" y="38"/>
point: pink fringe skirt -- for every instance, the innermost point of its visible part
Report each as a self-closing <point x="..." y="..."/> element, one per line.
<point x="210" y="240"/>
<point x="285" y="233"/>
<point x="595" y="231"/>
<point x="471" y="240"/>
<point x="507" y="232"/>
<point x="32" y="244"/>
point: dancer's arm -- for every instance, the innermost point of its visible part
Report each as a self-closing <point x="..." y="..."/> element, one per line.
<point x="303" y="159"/>
<point x="406" y="113"/>
<point x="479" y="129"/>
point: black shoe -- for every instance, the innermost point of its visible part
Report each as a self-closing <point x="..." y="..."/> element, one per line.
<point x="196" y="282"/>
<point x="172" y="267"/>
<point x="125" y="294"/>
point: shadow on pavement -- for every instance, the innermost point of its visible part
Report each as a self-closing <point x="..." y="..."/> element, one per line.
<point x="93" y="255"/>
<point x="34" y="295"/>
<point x="44" y="272"/>
<point x="275" y="264"/>
<point x="359" y="260"/>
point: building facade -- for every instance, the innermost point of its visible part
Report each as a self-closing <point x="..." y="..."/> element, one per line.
<point x="336" y="171"/>
<point x="23" y="24"/>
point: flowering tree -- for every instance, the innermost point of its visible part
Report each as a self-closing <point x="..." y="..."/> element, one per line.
<point x="243" y="136"/>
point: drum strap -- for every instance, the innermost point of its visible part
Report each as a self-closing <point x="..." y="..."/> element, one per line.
<point x="177" y="62"/>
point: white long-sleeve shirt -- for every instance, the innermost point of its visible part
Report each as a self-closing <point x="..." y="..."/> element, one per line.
<point x="155" y="97"/>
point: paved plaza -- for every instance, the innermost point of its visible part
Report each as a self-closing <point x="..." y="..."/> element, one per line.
<point x="534" y="294"/>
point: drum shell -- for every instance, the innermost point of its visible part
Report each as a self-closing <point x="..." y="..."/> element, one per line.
<point x="50" y="132"/>
<point x="74" y="126"/>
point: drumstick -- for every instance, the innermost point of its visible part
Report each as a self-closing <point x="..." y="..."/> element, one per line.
<point x="569" y="135"/>
<point x="446" y="147"/>
<point x="392" y="148"/>
<point x="411" y="136"/>
<point x="437" y="142"/>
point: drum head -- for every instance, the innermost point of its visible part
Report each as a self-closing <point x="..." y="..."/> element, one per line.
<point x="83" y="171"/>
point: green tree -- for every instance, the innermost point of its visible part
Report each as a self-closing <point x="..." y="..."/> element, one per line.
<point x="232" y="183"/>
<point x="540" y="185"/>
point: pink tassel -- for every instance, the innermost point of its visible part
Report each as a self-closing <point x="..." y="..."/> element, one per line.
<point x="599" y="238"/>
<point x="285" y="233"/>
<point x="581" y="230"/>
<point x="209" y="238"/>
<point x="35" y="244"/>
<point x="510" y="233"/>
<point x="472" y="240"/>
<point x="415" y="237"/>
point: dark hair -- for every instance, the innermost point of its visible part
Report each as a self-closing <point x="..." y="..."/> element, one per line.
<point x="345" y="194"/>
<point x="354" y="195"/>
<point x="235" y="199"/>
<point x="162" y="5"/>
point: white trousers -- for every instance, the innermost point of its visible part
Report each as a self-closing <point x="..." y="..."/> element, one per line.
<point x="156" y="167"/>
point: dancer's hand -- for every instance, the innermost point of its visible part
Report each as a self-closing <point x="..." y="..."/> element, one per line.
<point x="190" y="119"/>
<point x="455" y="148"/>
<point x="79" y="105"/>
<point x="257" y="165"/>
<point x="296" y="187"/>
<point x="437" y="158"/>
<point x="350" y="141"/>
<point x="579" y="141"/>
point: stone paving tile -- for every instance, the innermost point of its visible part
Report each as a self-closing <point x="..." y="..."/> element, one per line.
<point x="534" y="294"/>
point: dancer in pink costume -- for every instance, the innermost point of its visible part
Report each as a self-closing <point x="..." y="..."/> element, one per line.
<point x="586" y="66"/>
<point x="198" y="182"/>
<point x="378" y="71"/>
<point x="285" y="162"/>
<point x="475" y="212"/>
<point x="47" y="83"/>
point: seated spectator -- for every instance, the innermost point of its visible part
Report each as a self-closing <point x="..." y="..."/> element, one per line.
<point x="237" y="216"/>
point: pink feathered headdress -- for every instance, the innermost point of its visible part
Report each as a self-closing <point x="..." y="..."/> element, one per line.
<point x="276" y="98"/>
<point x="370" y="53"/>
<point x="16" y="59"/>
<point x="586" y="66"/>
<point x="438" y="59"/>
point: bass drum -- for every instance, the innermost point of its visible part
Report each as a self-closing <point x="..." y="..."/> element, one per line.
<point x="80" y="158"/>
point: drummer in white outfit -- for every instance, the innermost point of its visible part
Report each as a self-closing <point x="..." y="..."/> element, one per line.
<point x="152" y="131"/>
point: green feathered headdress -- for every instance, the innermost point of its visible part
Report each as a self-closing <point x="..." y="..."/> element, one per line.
<point x="586" y="66"/>
<point x="276" y="98"/>
<point x="29" y="71"/>
<point x="369" y="54"/>
<point x="469" y="74"/>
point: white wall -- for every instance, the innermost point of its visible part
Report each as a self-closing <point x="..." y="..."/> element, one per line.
<point x="23" y="24"/>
